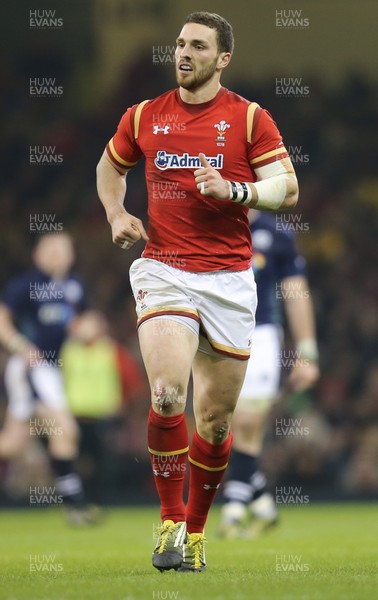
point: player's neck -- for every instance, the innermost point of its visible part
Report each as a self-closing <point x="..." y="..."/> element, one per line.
<point x="201" y="95"/>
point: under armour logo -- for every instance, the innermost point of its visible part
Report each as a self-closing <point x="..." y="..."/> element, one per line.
<point x="164" y="129"/>
<point x="206" y="486"/>
<point x="163" y="474"/>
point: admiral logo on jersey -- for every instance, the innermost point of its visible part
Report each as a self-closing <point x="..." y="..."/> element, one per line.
<point x="164" y="161"/>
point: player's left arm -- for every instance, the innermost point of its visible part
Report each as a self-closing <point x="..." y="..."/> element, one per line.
<point x="301" y="321"/>
<point x="275" y="190"/>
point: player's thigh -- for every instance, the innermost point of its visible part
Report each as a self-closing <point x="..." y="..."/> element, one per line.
<point x="216" y="385"/>
<point x="168" y="347"/>
<point x="168" y="323"/>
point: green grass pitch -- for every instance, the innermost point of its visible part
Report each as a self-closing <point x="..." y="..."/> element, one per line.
<point x="318" y="552"/>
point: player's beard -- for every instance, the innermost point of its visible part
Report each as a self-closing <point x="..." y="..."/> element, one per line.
<point x="199" y="79"/>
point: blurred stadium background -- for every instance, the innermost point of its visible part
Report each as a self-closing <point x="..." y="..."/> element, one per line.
<point x="105" y="55"/>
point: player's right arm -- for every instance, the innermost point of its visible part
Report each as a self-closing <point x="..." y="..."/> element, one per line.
<point x="111" y="188"/>
<point x="120" y="155"/>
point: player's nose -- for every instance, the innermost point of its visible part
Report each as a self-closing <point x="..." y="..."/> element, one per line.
<point x="184" y="52"/>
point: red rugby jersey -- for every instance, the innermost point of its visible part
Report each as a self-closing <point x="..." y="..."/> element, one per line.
<point x="186" y="229"/>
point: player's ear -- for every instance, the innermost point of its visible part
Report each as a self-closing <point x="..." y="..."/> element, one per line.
<point x="223" y="60"/>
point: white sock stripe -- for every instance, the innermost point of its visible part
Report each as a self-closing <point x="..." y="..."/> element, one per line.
<point x="238" y="490"/>
<point x="258" y="481"/>
<point x="69" y="484"/>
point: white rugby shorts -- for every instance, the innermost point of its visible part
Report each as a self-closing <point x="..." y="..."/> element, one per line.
<point x="262" y="378"/>
<point x="25" y="386"/>
<point x="219" y="306"/>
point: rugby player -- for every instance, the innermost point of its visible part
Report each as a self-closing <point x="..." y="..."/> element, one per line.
<point x="210" y="156"/>
<point x="35" y="310"/>
<point x="280" y="275"/>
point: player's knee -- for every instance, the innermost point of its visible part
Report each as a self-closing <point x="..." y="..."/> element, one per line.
<point x="215" y="427"/>
<point x="220" y="430"/>
<point x="168" y="399"/>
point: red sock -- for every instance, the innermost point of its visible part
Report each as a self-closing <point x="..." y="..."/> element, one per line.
<point x="207" y="463"/>
<point x="168" y="447"/>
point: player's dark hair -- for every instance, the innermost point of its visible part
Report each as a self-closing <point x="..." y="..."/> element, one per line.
<point x="225" y="36"/>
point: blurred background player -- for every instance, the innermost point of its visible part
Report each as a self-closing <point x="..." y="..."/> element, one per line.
<point x="35" y="311"/>
<point x="280" y="275"/>
<point x="102" y="380"/>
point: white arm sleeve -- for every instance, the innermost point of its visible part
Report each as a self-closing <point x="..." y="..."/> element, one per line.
<point x="272" y="185"/>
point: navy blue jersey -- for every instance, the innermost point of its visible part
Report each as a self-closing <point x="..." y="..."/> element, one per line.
<point x="275" y="257"/>
<point x="43" y="306"/>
